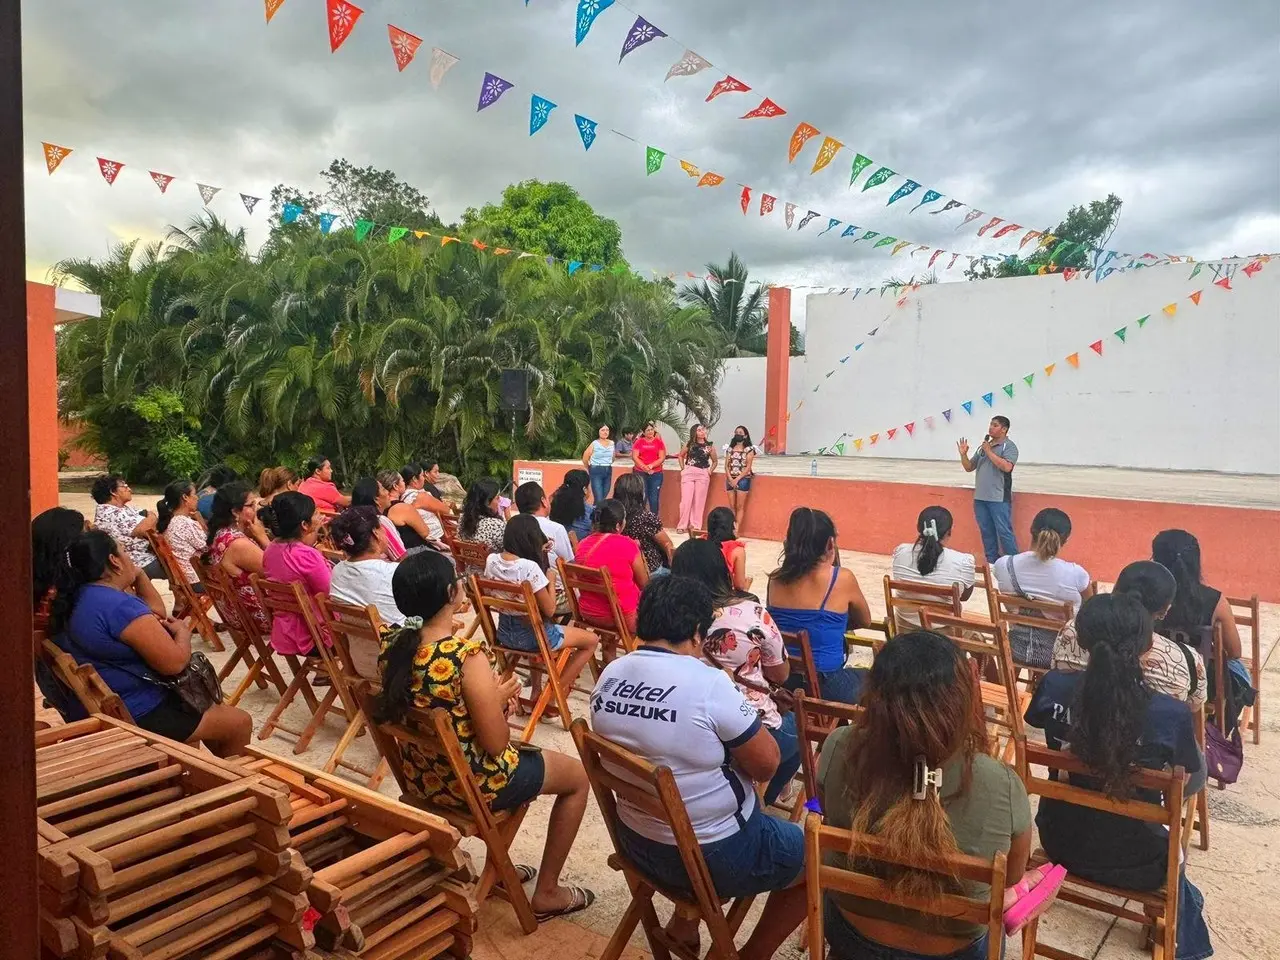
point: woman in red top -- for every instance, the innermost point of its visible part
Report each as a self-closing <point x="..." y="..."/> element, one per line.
<point x="722" y="532"/>
<point x="319" y="485"/>
<point x="608" y="548"/>
<point x="649" y="454"/>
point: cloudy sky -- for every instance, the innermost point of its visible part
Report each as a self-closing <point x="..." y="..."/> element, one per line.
<point x="1019" y="110"/>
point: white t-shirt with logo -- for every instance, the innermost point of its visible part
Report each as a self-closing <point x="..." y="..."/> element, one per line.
<point x="679" y="712"/>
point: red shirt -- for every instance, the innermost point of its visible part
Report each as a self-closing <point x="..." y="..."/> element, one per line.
<point x="616" y="553"/>
<point x="650" y="453"/>
<point x="323" y="492"/>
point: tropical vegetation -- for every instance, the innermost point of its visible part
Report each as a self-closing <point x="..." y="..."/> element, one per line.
<point x="737" y="309"/>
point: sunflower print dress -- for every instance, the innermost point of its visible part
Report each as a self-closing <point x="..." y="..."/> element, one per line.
<point x="437" y="682"/>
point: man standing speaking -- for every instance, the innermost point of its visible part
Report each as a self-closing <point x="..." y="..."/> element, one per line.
<point x="993" y="487"/>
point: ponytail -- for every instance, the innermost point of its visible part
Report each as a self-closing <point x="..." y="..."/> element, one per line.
<point x="396" y="667"/>
<point x="934" y="525"/>
<point x="86" y="561"/>
<point x="421" y="587"/>
<point x="1049" y="531"/>
<point x="1046" y="545"/>
<point x="172" y="500"/>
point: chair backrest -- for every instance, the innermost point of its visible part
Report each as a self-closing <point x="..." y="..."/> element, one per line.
<point x="815" y="719"/>
<point x="1247" y="613"/>
<point x="800" y="659"/>
<point x="819" y="839"/>
<point x="1207" y="641"/>
<point x="353" y="629"/>
<point x="908" y="597"/>
<point x="242" y="625"/>
<point x="79" y="681"/>
<point x="277" y="598"/>
<point x="577" y="580"/>
<point x="981" y="575"/>
<point x="618" y="774"/>
<point x="1013" y="610"/>
<point x="873" y="636"/>
<point x="513" y="599"/>
<point x="470" y="555"/>
<point x="160" y="546"/>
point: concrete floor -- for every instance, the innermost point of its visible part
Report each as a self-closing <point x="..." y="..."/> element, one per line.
<point x="1239" y="875"/>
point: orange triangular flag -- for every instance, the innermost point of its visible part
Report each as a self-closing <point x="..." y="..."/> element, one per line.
<point x="499" y="251"/>
<point x="1074" y="360"/>
<point x="1048" y="371"/>
<point x="1171" y="308"/>
<point x="711" y="180"/>
<point x="272" y="7"/>
<point x="445" y="241"/>
<point x="404" y="46"/>
<point x="54" y="155"/>
<point x="874" y="438"/>
<point x="478" y="245"/>
<point x="1195" y="297"/>
<point x="803" y="134"/>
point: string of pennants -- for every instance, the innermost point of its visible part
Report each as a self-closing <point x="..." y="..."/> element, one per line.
<point x="1224" y="274"/>
<point x="342" y="17"/>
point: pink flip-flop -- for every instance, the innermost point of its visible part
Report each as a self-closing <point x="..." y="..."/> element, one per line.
<point x="1033" y="901"/>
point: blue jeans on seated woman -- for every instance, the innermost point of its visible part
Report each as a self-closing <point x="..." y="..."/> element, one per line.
<point x="789" y="762"/>
<point x="847" y="943"/>
<point x="842" y="686"/>
<point x="601" y="477"/>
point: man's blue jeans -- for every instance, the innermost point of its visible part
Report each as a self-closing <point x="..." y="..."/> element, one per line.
<point x="995" y="520"/>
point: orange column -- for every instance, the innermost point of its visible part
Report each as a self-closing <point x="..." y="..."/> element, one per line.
<point x="777" y="370"/>
<point x="42" y="395"/>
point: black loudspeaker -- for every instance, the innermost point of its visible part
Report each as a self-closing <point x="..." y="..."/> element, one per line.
<point x="515" y="391"/>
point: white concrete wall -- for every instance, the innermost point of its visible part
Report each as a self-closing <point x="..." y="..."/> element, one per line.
<point x="1198" y="391"/>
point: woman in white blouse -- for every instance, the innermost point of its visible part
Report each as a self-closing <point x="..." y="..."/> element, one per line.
<point x="178" y="519"/>
<point x="364" y="578"/>
<point x="930" y="560"/>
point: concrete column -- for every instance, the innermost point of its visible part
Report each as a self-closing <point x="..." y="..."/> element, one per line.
<point x="42" y="395"/>
<point x="777" y="370"/>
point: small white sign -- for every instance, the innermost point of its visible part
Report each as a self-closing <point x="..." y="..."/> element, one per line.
<point x="528" y="475"/>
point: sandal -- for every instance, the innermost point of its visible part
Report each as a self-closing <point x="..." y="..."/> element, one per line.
<point x="1032" y="896"/>
<point x="525" y="872"/>
<point x="582" y="898"/>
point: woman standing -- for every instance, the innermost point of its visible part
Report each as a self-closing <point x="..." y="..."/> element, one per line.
<point x="697" y="462"/>
<point x="292" y="557"/>
<point x="649" y="454"/>
<point x="598" y="459"/>
<point x="236" y="541"/>
<point x="178" y="519"/>
<point x="739" y="464"/>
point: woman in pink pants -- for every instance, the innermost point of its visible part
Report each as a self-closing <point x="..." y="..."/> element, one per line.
<point x="697" y="463"/>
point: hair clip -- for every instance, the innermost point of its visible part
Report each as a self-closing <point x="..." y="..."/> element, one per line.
<point x="413" y="623"/>
<point x="930" y="529"/>
<point x="923" y="778"/>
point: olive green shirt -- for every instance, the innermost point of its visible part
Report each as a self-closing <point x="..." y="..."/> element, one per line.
<point x="984" y="820"/>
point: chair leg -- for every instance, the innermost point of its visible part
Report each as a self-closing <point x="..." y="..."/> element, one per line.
<point x="626" y="926"/>
<point x="1028" y="939"/>
<point x="499" y="870"/>
<point x="254" y="675"/>
<point x="557" y="686"/>
<point x="286" y="698"/>
<point x="317" y="718"/>
<point x="1202" y="809"/>
<point x="380" y="773"/>
<point x="348" y="736"/>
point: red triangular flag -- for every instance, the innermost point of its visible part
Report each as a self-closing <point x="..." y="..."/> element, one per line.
<point x="1195" y="297"/>
<point x="342" y="20"/>
<point x="746" y="199"/>
<point x="727" y="85"/>
<point x="272" y="7"/>
<point x="767" y="108"/>
<point x="911" y="428"/>
<point x="54" y="155"/>
<point x="110" y="170"/>
<point x="404" y="45"/>
<point x="1224" y="283"/>
<point x="1251" y="268"/>
<point x="1096" y="347"/>
<point x="1069" y="273"/>
<point x="892" y="431"/>
<point x="162" y="180"/>
<point x="766" y="204"/>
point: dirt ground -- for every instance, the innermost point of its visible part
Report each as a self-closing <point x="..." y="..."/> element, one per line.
<point x="1238" y="875"/>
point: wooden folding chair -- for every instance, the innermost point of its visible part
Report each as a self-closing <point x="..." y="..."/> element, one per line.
<point x="359" y="627"/>
<point x="804" y="672"/>
<point x="820" y="877"/>
<point x="516" y="600"/>
<point x="873" y="637"/>
<point x="278" y="598"/>
<point x="981" y="576"/>
<point x="430" y="735"/>
<point x="578" y="579"/>
<point x="1159" y="907"/>
<point x="616" y="774"/>
<point x="815" y="720"/>
<point x="187" y="604"/>
<point x="1003" y="704"/>
<point x="1247" y="613"/>
<point x="79" y="681"/>
<point x="1014" y="611"/>
<point x="250" y="646"/>
<point x="905" y="599"/>
<point x="469" y="555"/>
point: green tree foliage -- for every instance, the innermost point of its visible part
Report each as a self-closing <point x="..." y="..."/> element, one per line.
<point x="360" y="193"/>
<point x="1090" y="225"/>
<point x="736" y="308"/>
<point x="371" y="352"/>
<point x="550" y="219"/>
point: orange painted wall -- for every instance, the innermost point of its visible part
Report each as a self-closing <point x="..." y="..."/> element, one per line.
<point x="42" y="392"/>
<point x="874" y="517"/>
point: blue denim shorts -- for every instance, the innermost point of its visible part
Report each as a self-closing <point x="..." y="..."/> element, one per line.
<point x="743" y="485"/>
<point x="514" y="633"/>
<point x="765" y="855"/>
<point x="525" y="783"/>
<point x="847" y="943"/>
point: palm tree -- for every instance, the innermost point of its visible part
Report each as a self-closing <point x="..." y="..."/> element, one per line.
<point x="737" y="312"/>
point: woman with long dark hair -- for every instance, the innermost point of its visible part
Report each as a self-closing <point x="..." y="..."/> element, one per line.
<point x="930" y="560"/>
<point x="608" y="548"/>
<point x="236" y="541"/>
<point x="739" y="470"/>
<point x="913" y="771"/>
<point x="425" y="666"/>
<point x="569" y="506"/>
<point x="1115" y="724"/>
<point x="649" y="454"/>
<point x="292" y="557"/>
<point x="643" y="526"/>
<point x="697" y="464"/>
<point x="481" y="519"/>
<point x="811" y="591"/>
<point x="51" y="533"/>
<point x="722" y="530"/>
<point x="178" y="519"/>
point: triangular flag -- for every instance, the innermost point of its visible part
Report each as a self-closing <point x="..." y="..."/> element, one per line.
<point x="1142" y="321"/>
<point x="891" y="432"/>
<point x="326" y="221"/>
<point x="849" y="231"/>
<point x="290" y="213"/>
<point x="539" y="113"/>
<point x="1249" y="268"/>
<point x="950" y="205"/>
<point x="802" y="135"/>
<point x="857" y="444"/>
<point x="982" y="231"/>
<point x="986" y="398"/>
<point x="441" y="63"/>
<point x="968" y="407"/>
<point x="342" y="20"/>
<point x="826" y="153"/>
<point x="362" y="229"/>
<point x="711" y="180"/>
<point x="877" y="178"/>
<point x="1224" y="283"/>
<point x="1069" y="273"/>
<point x="884" y="242"/>
<point x="936" y="254"/>
<point x="839" y="448"/>
<point x="688" y="64"/>
<point x="1028" y="379"/>
<point x="971" y="216"/>
<point x="404" y="46"/>
<point x="1008" y="389"/>
<point x="929" y="197"/>
<point x="1007" y="229"/>
<point x="910" y="428"/>
<point x="588" y="10"/>
<point x="766" y="204"/>
<point x="1170" y="308"/>
<point x="641" y="32"/>
<point x="653" y="158"/>
<point x="727" y="85"/>
<point x="419" y="234"/>
<point x="766" y="109"/>
<point x="1096" y="347"/>
<point x="868" y="235"/>
<point x="1074" y="360"/>
<point x="574" y="266"/>
<point x="789" y="213"/>
<point x="445" y="241"/>
<point x="491" y="88"/>
<point x="478" y="245"/>
<point x="746" y="199"/>
<point x="110" y="169"/>
<point x="874" y="438"/>
<point x="272" y="7"/>
<point x="54" y="155"/>
<point x="805" y="220"/>
<point x="908" y="188"/>
<point x="831" y="225"/>
<point x="586" y="130"/>
<point x="249" y="202"/>
<point x="898" y="246"/>
<point x="207" y="193"/>
<point x="1048" y="370"/>
<point x="928" y="422"/>
<point x="860" y="163"/>
<point x="690" y="169"/>
<point x="396" y="233"/>
<point x="947" y="414"/>
<point x="1122" y="333"/>
<point x="162" y="180"/>
<point x="1195" y="297"/>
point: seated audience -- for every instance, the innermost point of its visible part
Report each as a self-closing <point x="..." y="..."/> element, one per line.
<point x="523" y="559"/>
<point x="430" y="507"/>
<point x="482" y="520"/>
<point x="274" y="480"/>
<point x="178" y="519"/>
<point x="745" y="643"/>
<point x="1167" y="667"/>
<point x="531" y="499"/>
<point x="107" y="614"/>
<point x="425" y="667"/>
<point x="236" y="541"/>
<point x="129" y="527"/>
<point x="368" y="492"/>
<point x="569" y="506"/>
<point x="1114" y="723"/>
<point x="929" y="559"/>
<point x="716" y="746"/>
<point x="364" y="578"/>
<point x="414" y="531"/>
<point x="811" y="591"/>
<point x="319" y="486"/>
<point x="1040" y="574"/>
<point x="292" y="557"/>
<point x="51" y="533"/>
<point x="610" y="549"/>
<point x="214" y="480"/>
<point x="722" y="531"/>
<point x="917" y="726"/>
<point x="643" y="526"/>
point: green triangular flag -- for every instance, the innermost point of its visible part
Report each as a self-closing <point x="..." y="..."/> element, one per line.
<point x="860" y="163"/>
<point x="1008" y="388"/>
<point x="1195" y="271"/>
<point x="652" y="160"/>
<point x="1143" y="320"/>
<point x="1028" y="378"/>
<point x="880" y="176"/>
<point x="395" y="233"/>
<point x="821" y="451"/>
<point x="362" y="229"/>
<point x="840" y="448"/>
<point x="618" y="269"/>
<point x="1121" y="333"/>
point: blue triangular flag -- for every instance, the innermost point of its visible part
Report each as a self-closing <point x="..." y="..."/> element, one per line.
<point x="588" y="10"/>
<point x="290" y="213"/>
<point x="845" y="359"/>
<point x="597" y="267"/>
<point x="929" y="197"/>
<point x="326" y="221"/>
<point x="831" y="224"/>
<point x="586" y="129"/>
<point x="539" y="112"/>
<point x="574" y="266"/>
<point x="947" y="414"/>
<point x="857" y="348"/>
<point x="907" y="188"/>
<point x="986" y="398"/>
<point x="968" y="406"/>
<point x="849" y="231"/>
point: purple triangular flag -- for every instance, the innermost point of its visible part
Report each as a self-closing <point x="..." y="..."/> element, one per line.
<point x="947" y="414"/>
<point x="491" y="89"/>
<point x="642" y="31"/>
